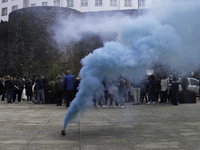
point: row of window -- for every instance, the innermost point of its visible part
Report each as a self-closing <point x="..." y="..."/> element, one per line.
<point x="127" y="3"/>
<point x="85" y="3"/>
<point x="70" y="3"/>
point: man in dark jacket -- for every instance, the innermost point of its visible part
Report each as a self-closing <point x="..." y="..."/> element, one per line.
<point x="175" y="89"/>
<point x="68" y="85"/>
<point x="40" y="89"/>
<point x="152" y="89"/>
<point x="59" y="90"/>
<point x="17" y="89"/>
<point x="8" y="87"/>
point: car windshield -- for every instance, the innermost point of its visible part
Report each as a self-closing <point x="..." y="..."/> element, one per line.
<point x="194" y="82"/>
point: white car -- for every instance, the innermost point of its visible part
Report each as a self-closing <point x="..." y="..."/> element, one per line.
<point x="192" y="86"/>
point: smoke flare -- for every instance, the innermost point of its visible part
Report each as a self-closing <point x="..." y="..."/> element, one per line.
<point x="169" y="37"/>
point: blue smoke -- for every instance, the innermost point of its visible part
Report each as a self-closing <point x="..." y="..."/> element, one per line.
<point x="168" y="37"/>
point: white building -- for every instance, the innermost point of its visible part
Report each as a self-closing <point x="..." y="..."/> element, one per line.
<point x="7" y="6"/>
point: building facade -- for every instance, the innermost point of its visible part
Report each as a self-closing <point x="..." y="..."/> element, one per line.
<point x="7" y="6"/>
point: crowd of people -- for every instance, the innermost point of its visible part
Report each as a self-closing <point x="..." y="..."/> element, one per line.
<point x="11" y="89"/>
<point x="153" y="89"/>
<point x="121" y="90"/>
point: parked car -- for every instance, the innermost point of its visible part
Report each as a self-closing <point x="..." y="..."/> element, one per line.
<point x="192" y="85"/>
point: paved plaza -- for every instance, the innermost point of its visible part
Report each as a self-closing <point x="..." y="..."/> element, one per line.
<point x="28" y="126"/>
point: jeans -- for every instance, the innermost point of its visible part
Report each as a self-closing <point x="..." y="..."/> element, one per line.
<point x="118" y="95"/>
<point x="8" y="95"/>
<point x="175" y="97"/>
<point x="29" y="98"/>
<point x="152" y="95"/>
<point x="136" y="93"/>
<point x="40" y="94"/>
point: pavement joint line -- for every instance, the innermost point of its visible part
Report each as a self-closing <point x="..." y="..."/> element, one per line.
<point x="40" y="129"/>
<point x="117" y="129"/>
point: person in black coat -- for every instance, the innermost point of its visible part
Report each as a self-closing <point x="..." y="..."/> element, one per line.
<point x="175" y="89"/>
<point x="29" y="89"/>
<point x="152" y="89"/>
<point x="77" y="82"/>
<point x="8" y="88"/>
<point x="59" y="90"/>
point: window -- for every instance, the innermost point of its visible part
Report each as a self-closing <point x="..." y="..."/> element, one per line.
<point x="4" y="1"/>
<point x="44" y="3"/>
<point x="98" y="2"/>
<point x="14" y="7"/>
<point x="84" y="2"/>
<point x="194" y="82"/>
<point x="113" y="2"/>
<point x="70" y="3"/>
<point x="142" y="3"/>
<point x="57" y="3"/>
<point x="4" y="12"/>
<point x="33" y="5"/>
<point x="127" y="2"/>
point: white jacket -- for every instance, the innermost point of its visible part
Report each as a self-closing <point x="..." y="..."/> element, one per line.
<point x="164" y="84"/>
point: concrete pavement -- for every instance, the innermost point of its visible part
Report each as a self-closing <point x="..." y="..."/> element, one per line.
<point x="28" y="126"/>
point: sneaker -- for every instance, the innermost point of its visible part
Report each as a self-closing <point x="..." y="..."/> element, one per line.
<point x="104" y="106"/>
<point x="148" y="103"/>
<point x="99" y="106"/>
<point x="153" y="103"/>
<point x="122" y="106"/>
<point x="116" y="106"/>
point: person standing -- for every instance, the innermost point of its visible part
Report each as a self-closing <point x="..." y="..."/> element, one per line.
<point x="175" y="89"/>
<point x="8" y="87"/>
<point x="59" y="90"/>
<point x="29" y="89"/>
<point x="170" y="91"/>
<point x="126" y="90"/>
<point x="23" y="83"/>
<point x="136" y="93"/>
<point x="77" y="82"/>
<point x="121" y="92"/>
<point x="164" y="89"/>
<point x="68" y="85"/>
<point x="40" y="89"/>
<point x="17" y="89"/>
<point x="144" y="90"/>
<point x="152" y="89"/>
